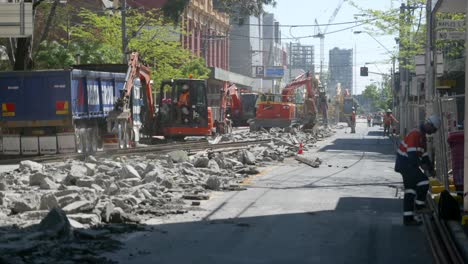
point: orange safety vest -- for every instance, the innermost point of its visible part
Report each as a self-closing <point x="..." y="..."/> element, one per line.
<point x="415" y="141"/>
<point x="184" y="99"/>
<point x="388" y="119"/>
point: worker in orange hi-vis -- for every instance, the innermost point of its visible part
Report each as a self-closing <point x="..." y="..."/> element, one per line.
<point x="388" y="120"/>
<point x="412" y="159"/>
<point x="353" y="121"/>
<point x="183" y="104"/>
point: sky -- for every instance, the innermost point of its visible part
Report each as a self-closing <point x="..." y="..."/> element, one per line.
<point x="367" y="50"/>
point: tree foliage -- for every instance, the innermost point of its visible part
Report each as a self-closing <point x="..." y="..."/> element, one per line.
<point x="97" y="39"/>
<point x="379" y="99"/>
<point x="407" y="22"/>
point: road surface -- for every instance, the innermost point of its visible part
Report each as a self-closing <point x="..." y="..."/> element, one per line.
<point x="346" y="211"/>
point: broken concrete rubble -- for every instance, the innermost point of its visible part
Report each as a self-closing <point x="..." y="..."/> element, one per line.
<point x="30" y="165"/>
<point x="129" y="171"/>
<point x="178" y="156"/>
<point x="48" y="201"/>
<point x="48" y="184"/>
<point x="135" y="188"/>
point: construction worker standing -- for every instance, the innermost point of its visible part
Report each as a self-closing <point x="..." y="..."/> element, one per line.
<point x="388" y="120"/>
<point x="412" y="159"/>
<point x="353" y="121"/>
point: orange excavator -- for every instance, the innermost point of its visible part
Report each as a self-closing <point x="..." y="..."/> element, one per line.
<point x="238" y="103"/>
<point x="134" y="111"/>
<point x="294" y="107"/>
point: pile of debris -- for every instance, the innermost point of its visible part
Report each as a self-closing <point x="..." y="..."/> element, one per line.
<point x="286" y="137"/>
<point x="45" y="200"/>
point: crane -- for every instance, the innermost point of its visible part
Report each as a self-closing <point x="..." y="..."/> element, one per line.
<point x="321" y="34"/>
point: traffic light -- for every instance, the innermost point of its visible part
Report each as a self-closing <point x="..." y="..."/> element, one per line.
<point x="364" y="71"/>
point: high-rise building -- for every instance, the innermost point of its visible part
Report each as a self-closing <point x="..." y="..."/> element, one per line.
<point x="340" y="70"/>
<point x="246" y="47"/>
<point x="301" y="59"/>
<point x="272" y="49"/>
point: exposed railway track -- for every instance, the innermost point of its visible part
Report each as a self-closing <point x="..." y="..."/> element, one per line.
<point x="157" y="149"/>
<point x="443" y="248"/>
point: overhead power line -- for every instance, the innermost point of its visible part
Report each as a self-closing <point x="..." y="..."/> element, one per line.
<point x="315" y="25"/>
<point x="300" y="37"/>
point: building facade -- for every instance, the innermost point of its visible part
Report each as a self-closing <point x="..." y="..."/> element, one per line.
<point x="207" y="33"/>
<point x="246" y="47"/>
<point x="340" y="70"/>
<point x="301" y="59"/>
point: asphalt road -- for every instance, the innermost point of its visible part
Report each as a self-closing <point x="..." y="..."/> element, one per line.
<point x="346" y="211"/>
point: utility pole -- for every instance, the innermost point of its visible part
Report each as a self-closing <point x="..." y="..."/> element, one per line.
<point x="429" y="78"/>
<point x="465" y="158"/>
<point x="124" y="30"/>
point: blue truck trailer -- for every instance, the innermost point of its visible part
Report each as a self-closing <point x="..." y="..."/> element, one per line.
<point x="59" y="111"/>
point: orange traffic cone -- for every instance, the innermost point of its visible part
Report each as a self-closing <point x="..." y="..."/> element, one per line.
<point x="300" y="149"/>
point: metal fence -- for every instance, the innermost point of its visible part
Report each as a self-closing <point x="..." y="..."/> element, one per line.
<point x="447" y="107"/>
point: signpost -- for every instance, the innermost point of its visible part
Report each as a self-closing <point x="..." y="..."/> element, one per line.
<point x="451" y="35"/>
<point x="259" y="71"/>
<point x="448" y="29"/>
<point x="274" y="72"/>
<point x="449" y="24"/>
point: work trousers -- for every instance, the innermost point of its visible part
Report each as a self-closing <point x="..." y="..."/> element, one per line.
<point x="416" y="186"/>
<point x="386" y="130"/>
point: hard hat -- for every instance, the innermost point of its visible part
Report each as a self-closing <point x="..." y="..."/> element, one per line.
<point x="434" y="121"/>
<point x="389" y="110"/>
<point x="185" y="87"/>
<point x="352" y="108"/>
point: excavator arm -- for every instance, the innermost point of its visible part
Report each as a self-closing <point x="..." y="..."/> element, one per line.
<point x="120" y="121"/>
<point x="136" y="69"/>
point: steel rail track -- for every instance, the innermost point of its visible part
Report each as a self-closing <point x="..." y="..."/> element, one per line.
<point x="443" y="247"/>
<point x="157" y="149"/>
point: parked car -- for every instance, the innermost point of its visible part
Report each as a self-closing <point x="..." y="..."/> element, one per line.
<point x="377" y="120"/>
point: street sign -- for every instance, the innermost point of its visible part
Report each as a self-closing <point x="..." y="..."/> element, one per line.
<point x="16" y="20"/>
<point x="451" y="35"/>
<point x="449" y="24"/>
<point x="274" y="72"/>
<point x="259" y="71"/>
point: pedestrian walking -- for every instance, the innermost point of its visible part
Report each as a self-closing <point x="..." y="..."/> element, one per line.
<point x="411" y="160"/>
<point x="369" y="120"/>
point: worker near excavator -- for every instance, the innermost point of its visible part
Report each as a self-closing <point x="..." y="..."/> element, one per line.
<point x="309" y="112"/>
<point x="388" y="120"/>
<point x="353" y="121"/>
<point x="411" y="160"/>
<point x="183" y="104"/>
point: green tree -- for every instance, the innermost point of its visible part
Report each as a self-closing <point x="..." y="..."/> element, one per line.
<point x="53" y="55"/>
<point x="406" y="22"/>
<point x="97" y="39"/>
<point x="371" y="94"/>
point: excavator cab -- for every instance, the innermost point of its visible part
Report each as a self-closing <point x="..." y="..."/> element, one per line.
<point x="183" y="108"/>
